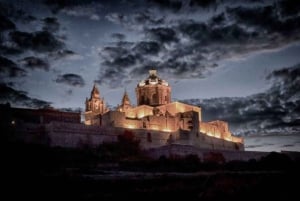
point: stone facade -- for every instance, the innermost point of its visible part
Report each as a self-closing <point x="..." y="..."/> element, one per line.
<point x="155" y="113"/>
<point x="94" y="107"/>
<point x="153" y="91"/>
<point x="36" y="116"/>
<point x="204" y="154"/>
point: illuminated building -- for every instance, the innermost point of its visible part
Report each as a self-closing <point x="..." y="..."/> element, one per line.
<point x="174" y="122"/>
<point x="94" y="107"/>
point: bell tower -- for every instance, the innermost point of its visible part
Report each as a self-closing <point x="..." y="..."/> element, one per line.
<point x="94" y="107"/>
<point x="125" y="104"/>
<point x="153" y="91"/>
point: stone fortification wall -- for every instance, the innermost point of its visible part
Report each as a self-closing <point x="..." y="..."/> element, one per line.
<point x="139" y="111"/>
<point x="176" y="150"/>
<point x="218" y="129"/>
<point x="65" y="134"/>
<point x="205" y="141"/>
<point x="68" y="135"/>
<point x="153" y="139"/>
<point x="177" y="107"/>
<point x="79" y="135"/>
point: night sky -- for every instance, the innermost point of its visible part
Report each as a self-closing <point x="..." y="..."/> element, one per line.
<point x="239" y="61"/>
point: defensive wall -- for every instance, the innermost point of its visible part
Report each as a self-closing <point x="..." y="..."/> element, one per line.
<point x="178" y="150"/>
<point x="76" y="135"/>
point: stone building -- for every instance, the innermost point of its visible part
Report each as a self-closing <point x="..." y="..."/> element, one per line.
<point x="153" y="91"/>
<point x="95" y="107"/>
<point x="157" y="118"/>
<point x="36" y="116"/>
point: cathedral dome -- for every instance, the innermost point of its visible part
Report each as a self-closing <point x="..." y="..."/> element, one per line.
<point x="153" y="91"/>
<point x="153" y="79"/>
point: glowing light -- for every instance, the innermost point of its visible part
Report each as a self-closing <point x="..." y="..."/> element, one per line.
<point x="166" y="130"/>
<point x="209" y="134"/>
<point x="141" y="114"/>
<point x="154" y="128"/>
<point x="130" y="126"/>
<point x="153" y="82"/>
<point x="13" y="122"/>
<point x="142" y="83"/>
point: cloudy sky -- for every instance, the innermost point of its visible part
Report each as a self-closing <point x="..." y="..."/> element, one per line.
<point x="239" y="61"/>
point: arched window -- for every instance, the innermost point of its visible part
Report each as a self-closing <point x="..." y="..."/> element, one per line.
<point x="142" y="100"/>
<point x="154" y="98"/>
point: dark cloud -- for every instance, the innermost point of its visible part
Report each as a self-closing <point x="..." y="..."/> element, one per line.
<point x="89" y="10"/>
<point x="274" y="111"/>
<point x="266" y="20"/>
<point x="71" y="80"/>
<point x="288" y="145"/>
<point x="138" y="20"/>
<point x="111" y="52"/>
<point x="146" y="48"/>
<point x="204" y="3"/>
<point x="19" y="98"/>
<point x="218" y="20"/>
<point x="7" y="49"/>
<point x="162" y="34"/>
<point x="64" y="54"/>
<point x="18" y="14"/>
<point x="116" y="61"/>
<point x="116" y="18"/>
<point x="57" y="5"/>
<point x="41" y="41"/>
<point x="34" y="63"/>
<point x="147" y="18"/>
<point x="117" y="77"/>
<point x="117" y="57"/>
<point x="264" y="17"/>
<point x="195" y="30"/>
<point x="183" y="46"/>
<point x="118" y="36"/>
<point x="289" y="7"/>
<point x="187" y="47"/>
<point x="15" y="42"/>
<point x="6" y="24"/>
<point x="122" y="61"/>
<point x="51" y="24"/>
<point x="174" y="5"/>
<point x="10" y="68"/>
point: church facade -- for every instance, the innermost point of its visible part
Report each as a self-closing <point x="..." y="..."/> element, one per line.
<point x="158" y="121"/>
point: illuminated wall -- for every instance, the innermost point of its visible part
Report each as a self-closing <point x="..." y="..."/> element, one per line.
<point x="139" y="111"/>
<point x="94" y="108"/>
<point x="153" y="95"/>
<point x="177" y="107"/>
<point x="155" y="118"/>
<point x="156" y="112"/>
<point x="153" y="91"/>
<point x="218" y="129"/>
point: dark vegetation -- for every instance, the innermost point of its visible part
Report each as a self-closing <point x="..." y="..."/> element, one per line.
<point x="121" y="171"/>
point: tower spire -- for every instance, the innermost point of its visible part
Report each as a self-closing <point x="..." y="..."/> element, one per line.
<point x="125" y="99"/>
<point x="95" y="92"/>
